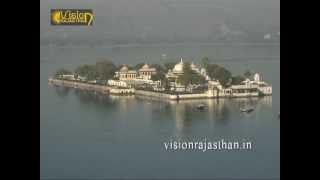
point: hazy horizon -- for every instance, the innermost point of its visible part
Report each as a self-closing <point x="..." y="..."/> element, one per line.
<point x="131" y="21"/>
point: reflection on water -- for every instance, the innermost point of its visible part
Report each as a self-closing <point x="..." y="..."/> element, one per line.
<point x="86" y="97"/>
<point x="217" y="112"/>
<point x="81" y="128"/>
<point x="184" y="113"/>
<point x="254" y="101"/>
<point x="123" y="102"/>
<point x="89" y="97"/>
<point x="62" y="91"/>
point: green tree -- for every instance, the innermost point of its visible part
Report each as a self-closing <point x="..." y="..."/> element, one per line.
<point x="186" y="78"/>
<point x="165" y="83"/>
<point x="105" y="70"/>
<point x="130" y="67"/>
<point x="236" y="80"/>
<point x="247" y="73"/>
<point x="61" y="71"/>
<point x="88" y="71"/>
<point x="169" y="65"/>
<point x="197" y="79"/>
<point x="92" y="73"/>
<point x="160" y="75"/>
<point x="190" y="77"/>
<point x="159" y="68"/>
<point x="205" y="62"/>
<point x="220" y="73"/>
<point x="82" y="70"/>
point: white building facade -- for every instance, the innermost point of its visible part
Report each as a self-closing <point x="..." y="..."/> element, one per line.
<point x="173" y="75"/>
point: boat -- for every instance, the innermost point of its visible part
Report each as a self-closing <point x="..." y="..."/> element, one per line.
<point x="201" y="106"/>
<point x="247" y="109"/>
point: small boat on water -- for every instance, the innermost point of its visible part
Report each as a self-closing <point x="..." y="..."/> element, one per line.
<point x="247" y="109"/>
<point x="201" y="106"/>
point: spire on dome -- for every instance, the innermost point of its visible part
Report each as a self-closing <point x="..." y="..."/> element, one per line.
<point x="181" y="60"/>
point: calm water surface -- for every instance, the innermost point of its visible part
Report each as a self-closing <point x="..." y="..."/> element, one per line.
<point x="86" y="135"/>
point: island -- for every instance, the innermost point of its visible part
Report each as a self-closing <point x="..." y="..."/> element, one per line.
<point x="172" y="81"/>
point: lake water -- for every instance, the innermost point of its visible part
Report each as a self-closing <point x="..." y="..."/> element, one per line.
<point x="90" y="136"/>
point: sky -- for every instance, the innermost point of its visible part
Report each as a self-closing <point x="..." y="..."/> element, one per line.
<point x="130" y="21"/>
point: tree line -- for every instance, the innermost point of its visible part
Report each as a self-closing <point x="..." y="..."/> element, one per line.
<point x="104" y="70"/>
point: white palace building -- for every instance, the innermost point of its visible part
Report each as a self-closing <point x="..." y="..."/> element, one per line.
<point x="128" y="77"/>
<point x="248" y="88"/>
<point x="173" y="75"/>
<point x="144" y="73"/>
<point x="178" y="70"/>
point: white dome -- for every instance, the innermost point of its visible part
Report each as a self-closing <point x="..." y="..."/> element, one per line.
<point x="178" y="67"/>
<point x="257" y="77"/>
<point x="146" y="66"/>
<point x="124" y="68"/>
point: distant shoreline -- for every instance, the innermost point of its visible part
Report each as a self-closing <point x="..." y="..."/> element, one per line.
<point x="131" y="91"/>
<point x="191" y="44"/>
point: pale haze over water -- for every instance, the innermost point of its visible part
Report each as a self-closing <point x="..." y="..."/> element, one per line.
<point x="84" y="135"/>
<point x="145" y="21"/>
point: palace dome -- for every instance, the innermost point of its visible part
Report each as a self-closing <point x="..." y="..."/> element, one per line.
<point x="146" y="66"/>
<point x="124" y="68"/>
<point x="178" y="68"/>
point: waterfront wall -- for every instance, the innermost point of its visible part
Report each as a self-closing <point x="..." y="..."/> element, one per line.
<point x="193" y="96"/>
<point x="122" y="91"/>
<point x="252" y="94"/>
<point x="80" y="85"/>
<point x="170" y="96"/>
<point x="156" y="94"/>
<point x="159" y="95"/>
